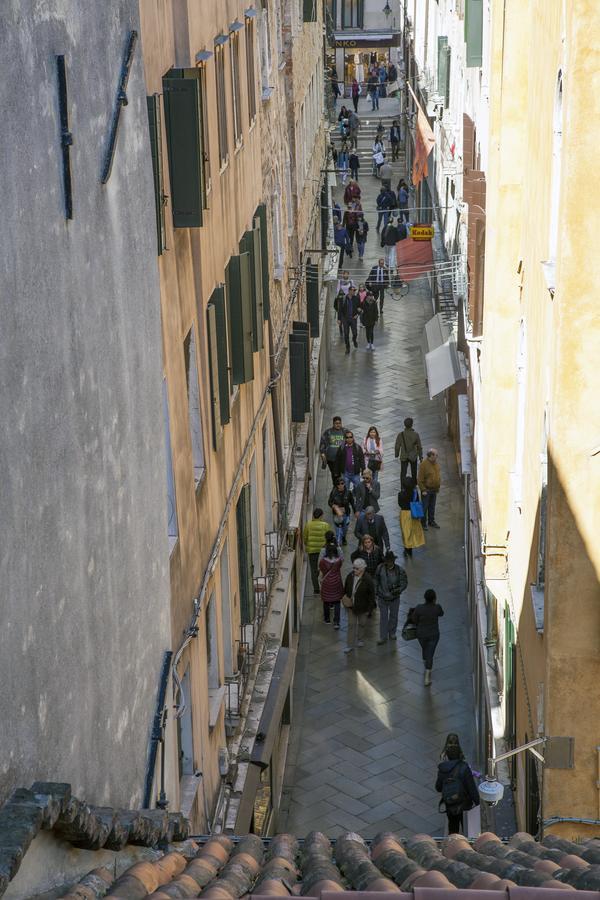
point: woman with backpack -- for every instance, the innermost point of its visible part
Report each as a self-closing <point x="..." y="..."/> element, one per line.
<point x="332" y="586"/>
<point x="457" y="786"/>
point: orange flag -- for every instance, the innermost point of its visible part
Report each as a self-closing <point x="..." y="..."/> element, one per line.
<point x="424" y="141"/>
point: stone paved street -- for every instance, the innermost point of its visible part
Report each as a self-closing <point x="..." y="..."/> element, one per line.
<point x="367" y="733"/>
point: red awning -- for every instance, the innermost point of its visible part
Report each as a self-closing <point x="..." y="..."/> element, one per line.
<point x="414" y="258"/>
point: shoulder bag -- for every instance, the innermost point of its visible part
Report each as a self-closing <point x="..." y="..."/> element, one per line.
<point x="416" y="507"/>
<point x="409" y="629"/>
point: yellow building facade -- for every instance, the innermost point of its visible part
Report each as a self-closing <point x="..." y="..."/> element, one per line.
<point x="537" y="416"/>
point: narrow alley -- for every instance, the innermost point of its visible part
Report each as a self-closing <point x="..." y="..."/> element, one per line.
<point x="367" y="734"/>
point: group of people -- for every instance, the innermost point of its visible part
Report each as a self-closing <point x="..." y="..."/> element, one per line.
<point x="376" y="579"/>
<point x="381" y="80"/>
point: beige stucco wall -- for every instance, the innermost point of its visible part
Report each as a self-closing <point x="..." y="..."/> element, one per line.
<point x="560" y="336"/>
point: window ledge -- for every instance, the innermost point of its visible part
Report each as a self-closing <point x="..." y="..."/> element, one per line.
<point x="173" y="539"/>
<point x="188" y="788"/>
<point x="278" y="273"/>
<point x="238" y="146"/>
<point x="537" y="600"/>
<point x="199" y="478"/>
<point x="216" y="699"/>
<point x="224" y="165"/>
<point x="266" y="93"/>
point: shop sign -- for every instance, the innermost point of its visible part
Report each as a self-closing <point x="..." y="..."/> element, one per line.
<point x="421" y="232"/>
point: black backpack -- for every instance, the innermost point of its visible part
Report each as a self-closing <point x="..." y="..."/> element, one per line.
<point x="453" y="792"/>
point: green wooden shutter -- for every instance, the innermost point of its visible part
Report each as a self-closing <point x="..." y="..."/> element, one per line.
<point x="157" y="169"/>
<point x="219" y="360"/>
<point x="261" y="215"/>
<point x="474" y="32"/>
<point x="239" y="298"/>
<point x="250" y="243"/>
<point x="310" y="10"/>
<point x="312" y="298"/>
<point x="245" y="566"/>
<point x="443" y="74"/>
<point x="297" y="376"/>
<point x="183" y="121"/>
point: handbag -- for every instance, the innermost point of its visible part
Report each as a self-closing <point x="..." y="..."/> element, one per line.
<point x="409" y="629"/>
<point x="378" y="158"/>
<point x="374" y="465"/>
<point x="347" y="602"/>
<point x="416" y="507"/>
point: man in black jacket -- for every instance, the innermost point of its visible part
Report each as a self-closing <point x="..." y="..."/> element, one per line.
<point x="331" y="441"/>
<point x="378" y="280"/>
<point x="359" y="588"/>
<point x="347" y="312"/>
<point x="457" y="786"/>
<point x="370" y="522"/>
<point x="350" y="461"/>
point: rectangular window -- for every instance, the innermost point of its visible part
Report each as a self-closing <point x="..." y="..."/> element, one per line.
<point x="251" y="244"/>
<point x="221" y="104"/>
<point x="172" y="526"/>
<point x="202" y="76"/>
<point x="218" y="354"/>
<point x="194" y="411"/>
<point x="183" y="123"/>
<point x="250" y="76"/>
<point x="234" y="58"/>
<point x="226" y="626"/>
<point x="474" y="32"/>
<point x="299" y="353"/>
<point x="212" y="645"/>
<point x="310" y="10"/>
<point x="243" y="517"/>
<point x="238" y="282"/>
<point x="260" y="216"/>
<point x="312" y="297"/>
<point x="443" y="69"/>
<point x="154" y="124"/>
<point x="352" y="13"/>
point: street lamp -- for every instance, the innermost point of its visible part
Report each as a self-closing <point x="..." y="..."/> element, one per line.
<point x="387" y="9"/>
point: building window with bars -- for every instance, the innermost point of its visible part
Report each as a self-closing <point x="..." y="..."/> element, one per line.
<point x="221" y="101"/>
<point x="352" y="13"/>
<point x="234" y="57"/>
<point x="250" y="76"/>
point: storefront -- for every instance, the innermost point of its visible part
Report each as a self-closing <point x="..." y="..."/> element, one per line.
<point x="355" y="53"/>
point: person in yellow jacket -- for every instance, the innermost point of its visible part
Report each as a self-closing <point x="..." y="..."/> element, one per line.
<point x="429" y="480"/>
<point x="314" y="541"/>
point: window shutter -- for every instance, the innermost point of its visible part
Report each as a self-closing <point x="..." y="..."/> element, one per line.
<point x="250" y="243"/>
<point x="312" y="298"/>
<point x="310" y="10"/>
<point x="299" y="350"/>
<point x="238" y="279"/>
<point x="183" y="121"/>
<point x="261" y="215"/>
<point x="219" y="361"/>
<point x="474" y="32"/>
<point x="301" y="329"/>
<point x="157" y="169"/>
<point x="443" y="84"/>
<point x="324" y="214"/>
<point x="245" y="565"/>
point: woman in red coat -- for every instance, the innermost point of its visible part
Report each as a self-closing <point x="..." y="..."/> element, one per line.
<point x="332" y="586"/>
<point x="351" y="192"/>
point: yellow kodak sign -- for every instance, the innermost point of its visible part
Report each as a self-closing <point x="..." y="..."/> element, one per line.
<point x="421" y="232"/>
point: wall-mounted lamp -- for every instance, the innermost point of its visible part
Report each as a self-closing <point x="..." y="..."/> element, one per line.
<point x="387" y="9"/>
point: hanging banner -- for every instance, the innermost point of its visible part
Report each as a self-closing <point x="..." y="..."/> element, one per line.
<point x="424" y="141"/>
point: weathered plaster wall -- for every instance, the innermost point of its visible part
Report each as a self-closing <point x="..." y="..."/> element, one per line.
<point x="83" y="540"/>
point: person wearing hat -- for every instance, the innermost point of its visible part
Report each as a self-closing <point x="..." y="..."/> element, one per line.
<point x="359" y="600"/>
<point x="390" y="581"/>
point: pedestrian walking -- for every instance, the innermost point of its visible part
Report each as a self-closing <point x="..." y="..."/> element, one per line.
<point x="426" y="617"/>
<point x="356" y="92"/>
<point x="377" y="281"/>
<point x="350" y="461"/>
<point x="349" y="318"/>
<point x="411" y="528"/>
<point x="429" y="480"/>
<point x="332" y="586"/>
<point x="345" y="282"/>
<point x="331" y="441"/>
<point x="362" y="230"/>
<point x="340" y="236"/>
<point x="370" y="552"/>
<point x="385" y="173"/>
<point x="378" y="157"/>
<point x="342" y="162"/>
<point x="370" y="522"/>
<point x="386" y="203"/>
<point x="338" y="302"/>
<point x="362" y="293"/>
<point x="395" y="139"/>
<point x="366" y="492"/>
<point x="457" y="786"/>
<point x="408" y="447"/>
<point x="335" y="88"/>
<point x="352" y="191"/>
<point x="390" y="582"/>
<point x="352" y="217"/>
<point x="341" y="502"/>
<point x="373" y="91"/>
<point x="354" y="165"/>
<point x="368" y="318"/>
<point x="389" y="238"/>
<point x="344" y="113"/>
<point x="359" y="600"/>
<point x="373" y="450"/>
<point x="403" y="200"/>
<point x="353" y="126"/>
<point x="314" y="541"/>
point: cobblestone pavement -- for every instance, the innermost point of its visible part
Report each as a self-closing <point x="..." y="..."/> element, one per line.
<point x="367" y="733"/>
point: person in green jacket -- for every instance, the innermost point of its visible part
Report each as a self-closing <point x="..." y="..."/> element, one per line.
<point x="314" y="541"/>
